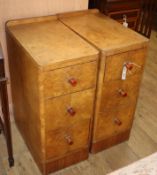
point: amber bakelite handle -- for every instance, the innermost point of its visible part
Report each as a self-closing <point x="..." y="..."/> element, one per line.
<point x="129" y="66"/>
<point x="69" y="140"/>
<point x="71" y="111"/>
<point x="122" y="93"/>
<point x="73" y="81"/>
<point x="117" y="122"/>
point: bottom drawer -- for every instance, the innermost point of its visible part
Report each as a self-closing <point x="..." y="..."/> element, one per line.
<point x="63" y="141"/>
<point x="113" y="122"/>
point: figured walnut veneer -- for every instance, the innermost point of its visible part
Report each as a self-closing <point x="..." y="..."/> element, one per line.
<point x="119" y="46"/>
<point x="46" y="58"/>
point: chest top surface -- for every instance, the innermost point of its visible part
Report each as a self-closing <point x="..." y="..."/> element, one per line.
<point x="103" y="32"/>
<point x="49" y="41"/>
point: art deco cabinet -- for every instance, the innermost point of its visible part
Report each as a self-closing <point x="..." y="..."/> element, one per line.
<point x="53" y="78"/>
<point x="122" y="59"/>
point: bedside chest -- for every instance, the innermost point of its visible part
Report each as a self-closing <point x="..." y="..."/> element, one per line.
<point x="53" y="80"/>
<point x="122" y="59"/>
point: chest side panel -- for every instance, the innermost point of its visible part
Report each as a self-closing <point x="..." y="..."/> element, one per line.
<point x="26" y="94"/>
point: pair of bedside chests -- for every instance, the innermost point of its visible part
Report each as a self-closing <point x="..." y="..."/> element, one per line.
<point x="75" y="80"/>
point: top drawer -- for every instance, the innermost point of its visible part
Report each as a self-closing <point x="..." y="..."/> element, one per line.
<point x="133" y="61"/>
<point x="70" y="79"/>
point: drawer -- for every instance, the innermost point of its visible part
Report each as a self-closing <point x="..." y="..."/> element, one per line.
<point x="69" y="109"/>
<point x="70" y="79"/>
<point x="134" y="61"/>
<point x="112" y="122"/>
<point x="114" y="5"/>
<point x="66" y="140"/>
<point x="128" y="13"/>
<point x="119" y="92"/>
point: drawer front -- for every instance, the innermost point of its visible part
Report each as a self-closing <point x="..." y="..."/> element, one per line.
<point x="70" y="79"/>
<point x="112" y="122"/>
<point x="66" y="140"/>
<point x="134" y="61"/>
<point x="114" y="5"/>
<point x="119" y="92"/>
<point x="69" y="109"/>
<point x="130" y="14"/>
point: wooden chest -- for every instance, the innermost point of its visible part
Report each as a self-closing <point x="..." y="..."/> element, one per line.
<point x="122" y="58"/>
<point x="53" y="79"/>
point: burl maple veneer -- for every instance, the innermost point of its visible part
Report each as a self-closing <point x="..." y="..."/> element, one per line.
<point x="122" y="59"/>
<point x="53" y="79"/>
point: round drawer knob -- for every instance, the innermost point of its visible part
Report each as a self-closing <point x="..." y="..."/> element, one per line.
<point x="129" y="66"/>
<point x="69" y="140"/>
<point x="71" y="111"/>
<point x="122" y="93"/>
<point x="117" y="122"/>
<point x="73" y="81"/>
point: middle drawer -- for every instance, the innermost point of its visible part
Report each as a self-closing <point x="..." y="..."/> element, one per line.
<point x="120" y="92"/>
<point x="69" y="109"/>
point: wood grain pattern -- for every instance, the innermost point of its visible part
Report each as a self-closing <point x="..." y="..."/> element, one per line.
<point x="109" y="142"/>
<point x="118" y="46"/>
<point x="104" y="162"/>
<point x="15" y="10"/>
<point x="114" y="64"/>
<point x="111" y="96"/>
<point x="56" y="109"/>
<point x="45" y="60"/>
<point x="106" y="125"/>
<point x="57" y="83"/>
<point x="49" y="52"/>
<point x="147" y="146"/>
<point x="10" y="10"/>
<point x="104" y="33"/>
<point x="69" y="159"/>
<point x="103" y="104"/>
<point x="27" y="105"/>
<point x="57" y="144"/>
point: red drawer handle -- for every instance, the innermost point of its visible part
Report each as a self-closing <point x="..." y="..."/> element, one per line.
<point x="129" y="66"/>
<point x="71" y="111"/>
<point x="69" y="140"/>
<point x="117" y="122"/>
<point x="73" y="81"/>
<point x="122" y="93"/>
